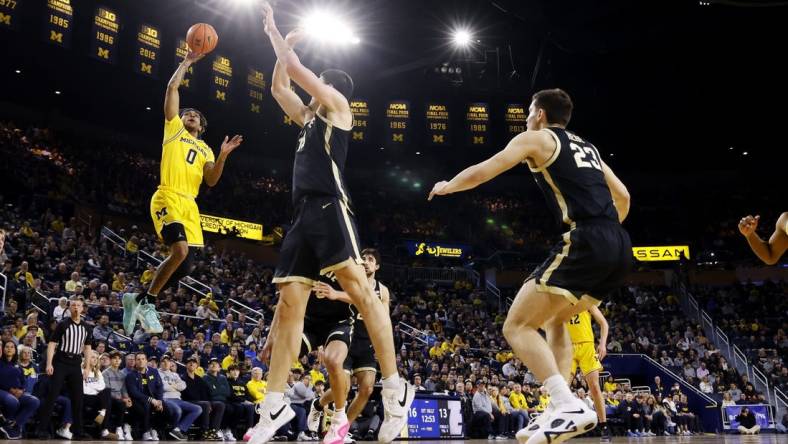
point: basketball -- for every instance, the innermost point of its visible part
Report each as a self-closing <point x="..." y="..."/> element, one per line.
<point x="202" y="38"/>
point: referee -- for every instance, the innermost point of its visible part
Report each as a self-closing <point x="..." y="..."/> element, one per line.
<point x="66" y="347"/>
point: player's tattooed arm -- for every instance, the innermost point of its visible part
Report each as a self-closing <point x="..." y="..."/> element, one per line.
<point x="769" y="252"/>
<point x="172" y="99"/>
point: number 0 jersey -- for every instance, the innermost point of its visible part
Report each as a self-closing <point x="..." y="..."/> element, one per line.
<point x="573" y="182"/>
<point x="183" y="158"/>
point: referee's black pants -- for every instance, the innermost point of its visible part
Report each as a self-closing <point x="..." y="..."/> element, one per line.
<point x="68" y="372"/>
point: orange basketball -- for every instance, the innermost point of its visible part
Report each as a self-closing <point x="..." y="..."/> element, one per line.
<point x="202" y="38"/>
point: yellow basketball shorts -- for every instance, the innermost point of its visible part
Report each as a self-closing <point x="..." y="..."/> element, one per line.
<point x="585" y="357"/>
<point x="167" y="209"/>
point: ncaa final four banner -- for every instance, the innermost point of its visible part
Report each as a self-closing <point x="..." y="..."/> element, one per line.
<point x="360" y="110"/>
<point x="146" y="60"/>
<point x="58" y="22"/>
<point x="515" y="118"/>
<point x="9" y="13"/>
<point x="222" y="72"/>
<point x="181" y="49"/>
<point x="255" y="81"/>
<point x="106" y="29"/>
<point x="397" y="123"/>
<point x="437" y="116"/>
<point x="477" y="117"/>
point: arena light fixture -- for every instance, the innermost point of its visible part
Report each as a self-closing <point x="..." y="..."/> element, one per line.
<point x="18" y="71"/>
<point x="327" y="27"/>
<point x="57" y="93"/>
<point x="462" y="38"/>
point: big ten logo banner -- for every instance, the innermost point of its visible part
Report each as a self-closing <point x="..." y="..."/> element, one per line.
<point x="360" y="110"/>
<point x="181" y="49"/>
<point x="10" y="14"/>
<point x="231" y="227"/>
<point x="477" y="118"/>
<point x="146" y="58"/>
<point x="515" y="117"/>
<point x="222" y="74"/>
<point x="397" y="123"/>
<point x="104" y="35"/>
<point x="58" y="22"/>
<point x="255" y="81"/>
<point x="437" y="118"/>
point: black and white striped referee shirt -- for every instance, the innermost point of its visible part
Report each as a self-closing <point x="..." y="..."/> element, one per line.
<point x="71" y="337"/>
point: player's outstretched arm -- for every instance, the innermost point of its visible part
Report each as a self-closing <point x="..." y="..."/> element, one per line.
<point x="304" y="77"/>
<point x="769" y="252"/>
<point x="287" y="99"/>
<point x="323" y="290"/>
<point x="212" y="171"/>
<point x="172" y="99"/>
<point x="603" y="331"/>
<point x="521" y="146"/>
<point x="619" y="192"/>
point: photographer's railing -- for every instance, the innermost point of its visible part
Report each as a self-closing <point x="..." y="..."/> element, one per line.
<point x="250" y="313"/>
<point x="413" y="332"/>
<point x="494" y="293"/>
<point x="114" y="238"/>
<point x="3" y="287"/>
<point x="430" y="274"/>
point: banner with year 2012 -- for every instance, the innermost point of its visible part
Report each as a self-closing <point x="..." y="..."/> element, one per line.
<point x="146" y="60"/>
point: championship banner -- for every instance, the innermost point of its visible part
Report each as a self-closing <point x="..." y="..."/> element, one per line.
<point x="669" y="253"/>
<point x="437" y="116"/>
<point x="181" y="49"/>
<point x="433" y="249"/>
<point x="231" y="227"/>
<point x="104" y="41"/>
<point x="397" y="122"/>
<point x="9" y="14"/>
<point x="515" y="118"/>
<point x="360" y="110"/>
<point x="58" y="21"/>
<point x="761" y="413"/>
<point x="255" y="80"/>
<point x="146" y="60"/>
<point x="434" y="418"/>
<point x="477" y="117"/>
<point x="222" y="72"/>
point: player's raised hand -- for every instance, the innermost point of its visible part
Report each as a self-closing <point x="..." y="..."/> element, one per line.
<point x="748" y="225"/>
<point x="229" y="145"/>
<point x="192" y="57"/>
<point x="323" y="290"/>
<point x="438" y="190"/>
<point x="268" y="18"/>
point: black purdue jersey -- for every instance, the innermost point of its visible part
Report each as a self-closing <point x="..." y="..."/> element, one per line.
<point x="359" y="329"/>
<point x="320" y="161"/>
<point x="573" y="182"/>
<point x="324" y="310"/>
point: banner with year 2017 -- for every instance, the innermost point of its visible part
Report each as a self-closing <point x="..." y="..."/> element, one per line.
<point x="10" y="13"/>
<point x="222" y="73"/>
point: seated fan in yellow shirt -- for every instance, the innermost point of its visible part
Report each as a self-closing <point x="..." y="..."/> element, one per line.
<point x="186" y="161"/>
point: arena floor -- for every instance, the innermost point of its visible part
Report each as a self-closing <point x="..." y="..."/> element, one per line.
<point x="705" y="439"/>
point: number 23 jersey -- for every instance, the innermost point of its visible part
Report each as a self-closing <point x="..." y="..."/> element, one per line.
<point x="183" y="158"/>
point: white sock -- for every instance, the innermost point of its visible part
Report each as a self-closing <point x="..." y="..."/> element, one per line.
<point x="273" y="398"/>
<point x="339" y="413"/>
<point x="392" y="382"/>
<point x="558" y="389"/>
<point x="102" y="412"/>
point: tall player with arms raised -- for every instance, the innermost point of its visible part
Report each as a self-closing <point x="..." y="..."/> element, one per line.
<point x="590" y="260"/>
<point x="322" y="239"/>
<point x="186" y="160"/>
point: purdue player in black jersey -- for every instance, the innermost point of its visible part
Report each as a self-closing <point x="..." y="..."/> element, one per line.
<point x="589" y="261"/>
<point x="360" y="361"/>
<point x="322" y="239"/>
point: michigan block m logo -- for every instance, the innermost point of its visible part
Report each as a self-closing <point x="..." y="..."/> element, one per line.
<point x="5" y="19"/>
<point x="161" y="213"/>
<point x="437" y="138"/>
<point x="358" y="135"/>
<point x="398" y="137"/>
<point x="144" y="67"/>
<point x="56" y="36"/>
<point x="103" y="53"/>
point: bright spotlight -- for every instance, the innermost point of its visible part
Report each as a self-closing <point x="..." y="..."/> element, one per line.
<point x="462" y="37"/>
<point x="328" y="27"/>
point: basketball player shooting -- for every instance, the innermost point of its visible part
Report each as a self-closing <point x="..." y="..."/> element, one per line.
<point x="322" y="240"/>
<point x="589" y="261"/>
<point x="186" y="160"/>
<point x="769" y="252"/>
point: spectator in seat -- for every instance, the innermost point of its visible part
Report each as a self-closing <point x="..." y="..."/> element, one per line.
<point x="685" y="418"/>
<point x="654" y="417"/>
<point x="220" y="394"/>
<point x="59" y="313"/>
<point x="184" y="413"/>
<point x="657" y="388"/>
<point x="482" y="413"/>
<point x="727" y="399"/>
<point x="417" y="383"/>
<point x="98" y="396"/>
<point x="632" y="414"/>
<point x="705" y="385"/>
<point x="102" y="331"/>
<point x="147" y="395"/>
<point x="239" y="404"/>
<point x="581" y="395"/>
<point x="198" y="392"/>
<point x="466" y="407"/>
<point x="500" y="414"/>
<point x="257" y="386"/>
<point x="71" y="285"/>
<point x="115" y="381"/>
<point x="15" y="404"/>
<point x="610" y="385"/>
<point x="747" y="422"/>
<point x="735" y="393"/>
<point x="300" y="396"/>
